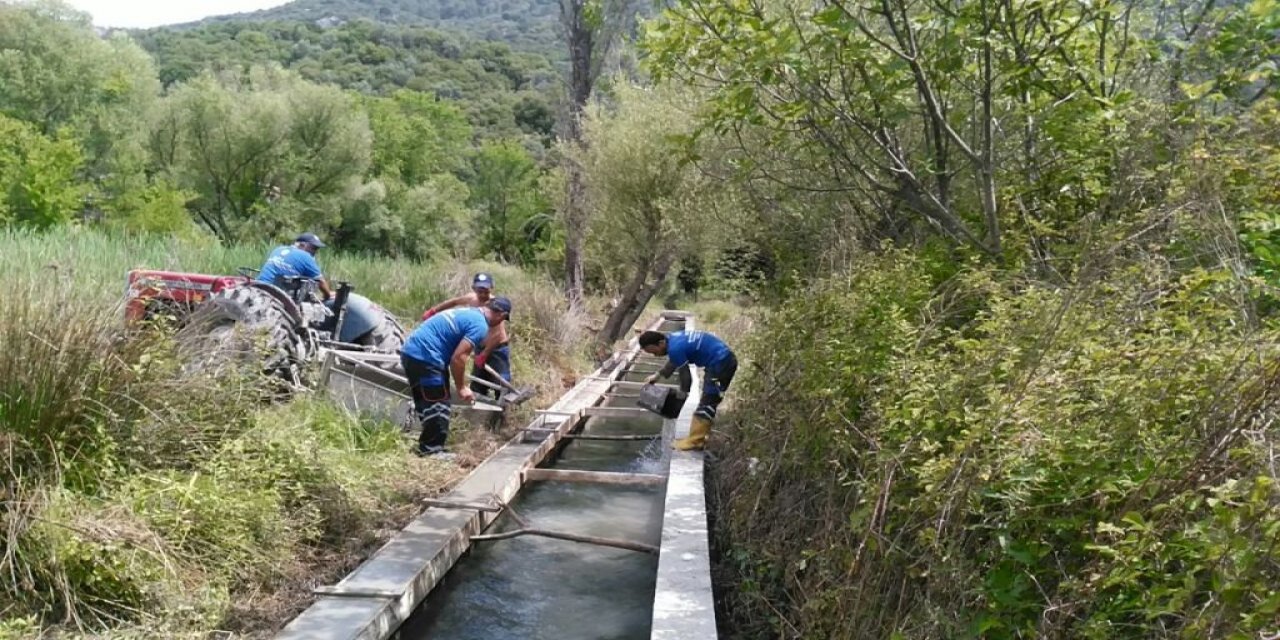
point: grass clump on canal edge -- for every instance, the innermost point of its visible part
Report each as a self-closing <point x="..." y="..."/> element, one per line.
<point x="221" y="542"/>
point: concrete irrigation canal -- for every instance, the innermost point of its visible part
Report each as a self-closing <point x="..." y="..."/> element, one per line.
<point x="586" y="525"/>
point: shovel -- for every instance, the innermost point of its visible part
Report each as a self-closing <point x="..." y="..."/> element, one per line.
<point x="516" y="396"/>
<point x="507" y="395"/>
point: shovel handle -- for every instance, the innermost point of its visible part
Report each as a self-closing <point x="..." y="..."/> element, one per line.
<point x="486" y="383"/>
<point x="501" y="380"/>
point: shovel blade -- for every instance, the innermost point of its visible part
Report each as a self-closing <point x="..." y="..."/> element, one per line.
<point x="516" y="397"/>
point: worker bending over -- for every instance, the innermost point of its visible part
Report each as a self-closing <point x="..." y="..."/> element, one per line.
<point x="699" y="349"/>
<point x="496" y="351"/>
<point x="439" y="349"/>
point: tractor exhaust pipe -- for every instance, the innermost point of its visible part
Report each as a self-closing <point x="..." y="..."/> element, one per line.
<point x="340" y="307"/>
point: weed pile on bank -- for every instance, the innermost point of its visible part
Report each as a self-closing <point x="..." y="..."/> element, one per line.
<point x="916" y="455"/>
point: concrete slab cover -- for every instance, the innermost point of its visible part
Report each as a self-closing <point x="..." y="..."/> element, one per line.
<point x="345" y="618"/>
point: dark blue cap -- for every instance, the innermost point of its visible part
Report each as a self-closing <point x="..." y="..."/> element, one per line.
<point x="502" y="304"/>
<point x="482" y="280"/>
<point x="311" y="239"/>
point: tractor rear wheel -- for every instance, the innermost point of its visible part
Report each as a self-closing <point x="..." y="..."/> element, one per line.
<point x="386" y="337"/>
<point x="243" y="326"/>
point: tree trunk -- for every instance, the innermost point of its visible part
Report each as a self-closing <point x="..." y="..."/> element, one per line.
<point x="987" y="163"/>
<point x="580" y="38"/>
<point x="575" y="234"/>
<point x="613" y="324"/>
<point x="635" y="297"/>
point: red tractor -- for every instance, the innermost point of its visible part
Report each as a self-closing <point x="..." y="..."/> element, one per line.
<point x="289" y="323"/>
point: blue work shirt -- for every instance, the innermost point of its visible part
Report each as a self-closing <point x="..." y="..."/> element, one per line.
<point x="286" y="261"/>
<point x="435" y="340"/>
<point x="699" y="348"/>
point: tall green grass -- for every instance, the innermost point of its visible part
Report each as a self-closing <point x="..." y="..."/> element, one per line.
<point x="93" y="265"/>
<point x="142" y="502"/>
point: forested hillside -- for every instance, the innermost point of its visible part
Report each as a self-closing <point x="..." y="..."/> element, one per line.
<point x="504" y="92"/>
<point x="235" y="145"/>
<point x="527" y="25"/>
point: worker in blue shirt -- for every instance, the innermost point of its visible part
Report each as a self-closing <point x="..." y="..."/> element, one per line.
<point x="296" y="260"/>
<point x="698" y="349"/>
<point x="437" y="350"/>
<point x="496" y="352"/>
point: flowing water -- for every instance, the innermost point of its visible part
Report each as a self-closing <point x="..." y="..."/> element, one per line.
<point x="539" y="588"/>
<point x="532" y="588"/>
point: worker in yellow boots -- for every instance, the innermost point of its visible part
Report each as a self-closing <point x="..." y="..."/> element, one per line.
<point x="699" y="349"/>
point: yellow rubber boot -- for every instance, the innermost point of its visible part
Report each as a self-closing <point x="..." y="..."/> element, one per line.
<point x="699" y="429"/>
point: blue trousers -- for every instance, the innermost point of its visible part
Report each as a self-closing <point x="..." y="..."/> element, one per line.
<point x="715" y="381"/>
<point x="429" y="385"/>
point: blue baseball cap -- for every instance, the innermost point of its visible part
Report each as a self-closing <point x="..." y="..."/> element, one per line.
<point x="311" y="239"/>
<point x="482" y="280"/>
<point x="502" y="304"/>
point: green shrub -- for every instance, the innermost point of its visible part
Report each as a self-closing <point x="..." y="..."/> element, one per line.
<point x="229" y="527"/>
<point x="19" y="628"/>
<point x="90" y="562"/>
<point x="973" y="459"/>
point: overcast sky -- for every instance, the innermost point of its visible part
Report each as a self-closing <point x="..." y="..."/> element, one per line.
<point x="151" y="13"/>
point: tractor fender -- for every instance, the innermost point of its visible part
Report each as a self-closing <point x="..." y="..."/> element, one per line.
<point x="290" y="307"/>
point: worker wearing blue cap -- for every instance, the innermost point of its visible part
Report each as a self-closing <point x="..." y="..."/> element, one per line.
<point x="496" y="352"/>
<point x="437" y="351"/>
<point x="296" y="260"/>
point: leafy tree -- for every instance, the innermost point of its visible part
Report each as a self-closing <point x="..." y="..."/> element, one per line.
<point x="58" y="75"/>
<point x="416" y="136"/>
<point x="591" y="29"/>
<point x="261" y="148"/>
<point x="651" y="207"/>
<point x="424" y="221"/>
<point x="534" y="116"/>
<point x="438" y="224"/>
<point x="505" y="191"/>
<point x="897" y="104"/>
<point x="157" y="208"/>
<point x="55" y="72"/>
<point x="38" y="185"/>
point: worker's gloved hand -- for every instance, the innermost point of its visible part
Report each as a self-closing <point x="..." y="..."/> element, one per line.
<point x="480" y="360"/>
<point x="651" y="379"/>
<point x="428" y="313"/>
